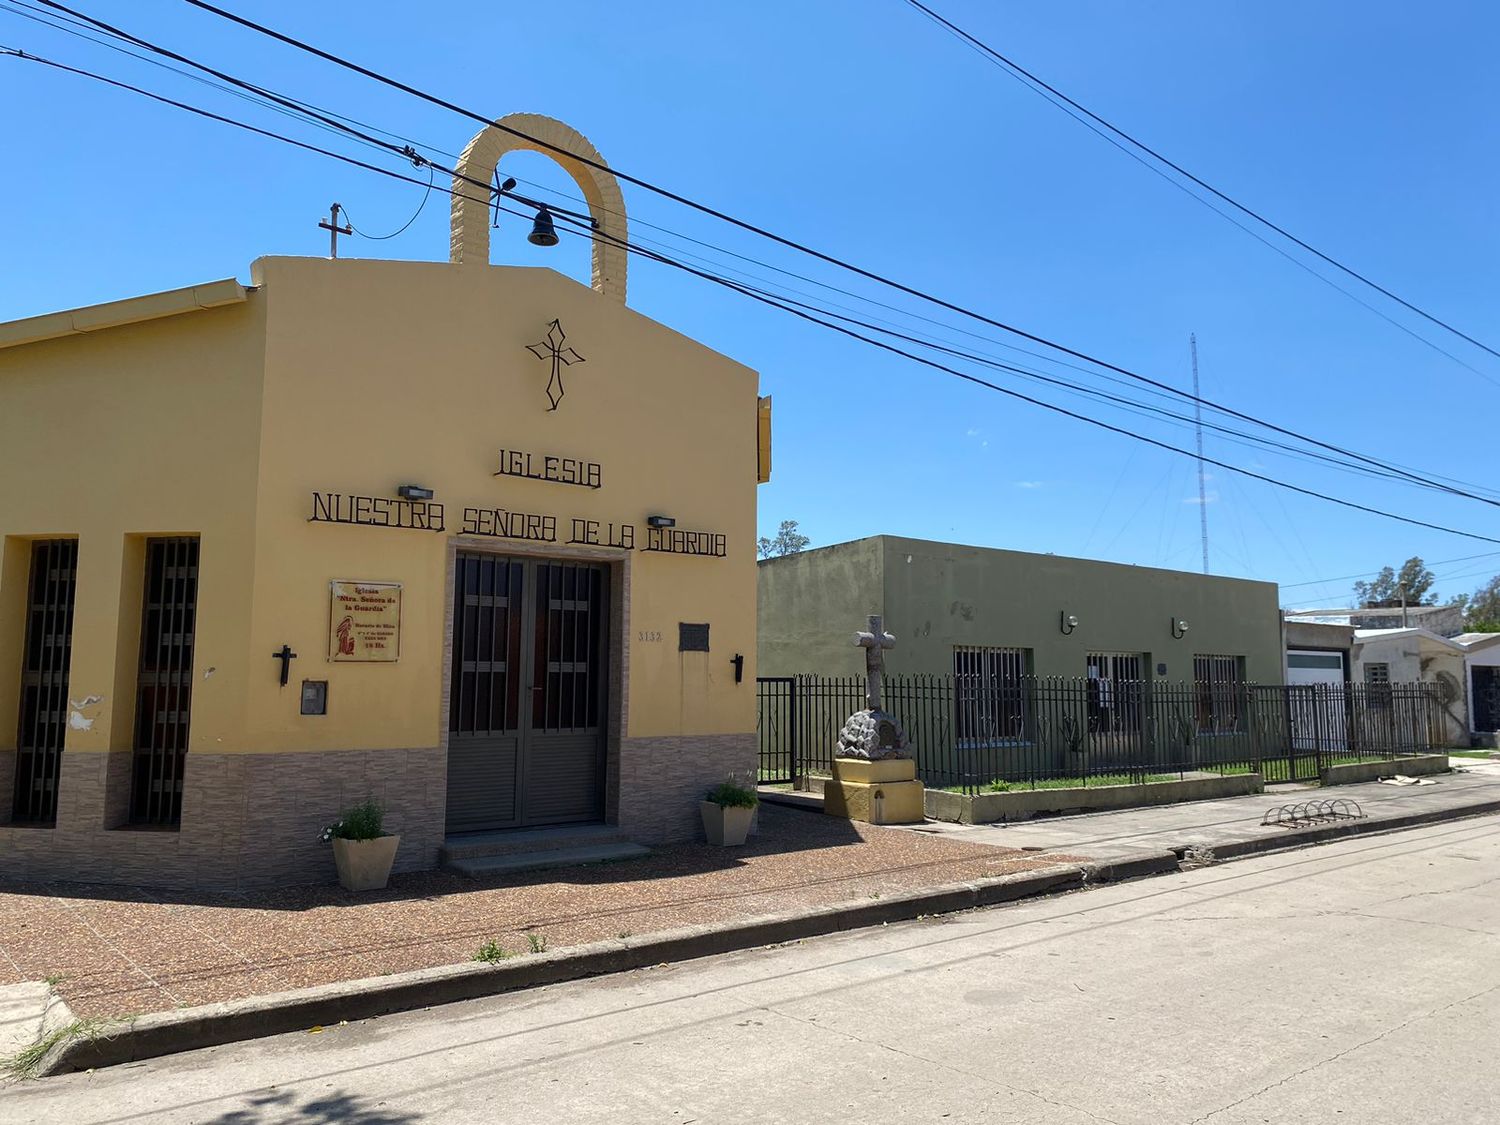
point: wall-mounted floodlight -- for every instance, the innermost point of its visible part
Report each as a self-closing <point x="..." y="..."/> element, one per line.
<point x="660" y="521"/>
<point x="414" y="492"/>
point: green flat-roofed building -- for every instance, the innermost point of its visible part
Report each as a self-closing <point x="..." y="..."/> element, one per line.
<point x="954" y="608"/>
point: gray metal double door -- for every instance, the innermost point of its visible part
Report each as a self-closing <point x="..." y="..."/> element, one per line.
<point x="526" y="715"/>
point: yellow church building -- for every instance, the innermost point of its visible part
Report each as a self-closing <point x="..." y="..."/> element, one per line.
<point x="476" y="541"/>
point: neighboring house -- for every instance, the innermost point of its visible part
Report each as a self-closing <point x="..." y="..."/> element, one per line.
<point x="1482" y="656"/>
<point x="1444" y="620"/>
<point x="1318" y="653"/>
<point x="1404" y="656"/>
<point x="996" y="616"/>
<point x="369" y="529"/>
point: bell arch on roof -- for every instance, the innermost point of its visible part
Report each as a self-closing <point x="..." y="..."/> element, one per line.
<point x="571" y="150"/>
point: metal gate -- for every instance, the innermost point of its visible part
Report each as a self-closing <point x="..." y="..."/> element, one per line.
<point x="164" y="683"/>
<point x="1486" y="698"/>
<point x="44" y="680"/>
<point x="776" y="727"/>
<point x="527" y="693"/>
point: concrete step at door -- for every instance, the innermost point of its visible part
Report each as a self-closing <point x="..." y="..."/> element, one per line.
<point x="537" y="860"/>
<point x="517" y="841"/>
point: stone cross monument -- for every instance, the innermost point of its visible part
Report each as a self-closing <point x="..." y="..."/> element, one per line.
<point x="875" y="642"/>
<point x="874" y="775"/>
<point x="873" y="735"/>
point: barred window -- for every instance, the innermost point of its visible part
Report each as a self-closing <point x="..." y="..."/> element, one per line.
<point x="1116" y="683"/>
<point x="990" y="693"/>
<point x="1219" y="687"/>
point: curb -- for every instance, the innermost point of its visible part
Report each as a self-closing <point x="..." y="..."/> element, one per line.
<point x="1134" y="866"/>
<point x="212" y="1025"/>
<point x="1302" y="836"/>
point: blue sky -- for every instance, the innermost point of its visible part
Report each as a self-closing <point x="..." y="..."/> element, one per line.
<point x="859" y="127"/>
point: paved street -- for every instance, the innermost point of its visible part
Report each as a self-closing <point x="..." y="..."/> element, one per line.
<point x="1354" y="982"/>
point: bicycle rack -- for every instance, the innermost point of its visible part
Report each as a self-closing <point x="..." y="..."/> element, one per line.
<point x="1305" y="814"/>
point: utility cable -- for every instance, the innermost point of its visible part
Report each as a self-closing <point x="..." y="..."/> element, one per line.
<point x="1268" y="243"/>
<point x="431" y="173"/>
<point x="1374" y="573"/>
<point x="727" y="218"/>
<point x="1016" y="67"/>
<point x="301" y="115"/>
<point x="977" y="380"/>
<point x="596" y="233"/>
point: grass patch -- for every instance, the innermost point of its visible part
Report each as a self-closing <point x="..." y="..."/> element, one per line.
<point x="24" y="1064"/>
<point x="491" y="952"/>
<point x="537" y="942"/>
<point x="1486" y="754"/>
<point x="1094" y="781"/>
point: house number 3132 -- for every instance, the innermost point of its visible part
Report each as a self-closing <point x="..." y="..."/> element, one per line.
<point x="648" y="635"/>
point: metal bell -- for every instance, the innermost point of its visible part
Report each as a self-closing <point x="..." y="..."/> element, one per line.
<point x="543" y="233"/>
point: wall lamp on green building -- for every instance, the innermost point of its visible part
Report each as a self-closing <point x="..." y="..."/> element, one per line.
<point x="1067" y="622"/>
<point x="1179" y="628"/>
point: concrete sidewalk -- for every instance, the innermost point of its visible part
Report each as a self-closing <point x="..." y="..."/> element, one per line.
<point x="1232" y="826"/>
<point x="894" y="874"/>
<point x="1355" y="983"/>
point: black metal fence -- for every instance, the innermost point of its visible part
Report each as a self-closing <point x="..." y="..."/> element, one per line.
<point x="979" y="736"/>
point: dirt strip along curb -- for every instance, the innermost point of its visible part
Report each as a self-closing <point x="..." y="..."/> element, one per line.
<point x="211" y="1025"/>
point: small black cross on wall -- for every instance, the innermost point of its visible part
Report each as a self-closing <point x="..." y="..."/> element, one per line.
<point x="286" y="656"/>
<point x="552" y="347"/>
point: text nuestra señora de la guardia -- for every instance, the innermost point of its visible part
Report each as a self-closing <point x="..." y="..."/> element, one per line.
<point x="507" y="523"/>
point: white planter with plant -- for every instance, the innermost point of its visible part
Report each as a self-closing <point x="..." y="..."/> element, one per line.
<point x="362" y="851"/>
<point x="727" y="813"/>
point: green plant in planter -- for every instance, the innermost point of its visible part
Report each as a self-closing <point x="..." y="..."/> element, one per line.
<point x="728" y="810"/>
<point x="732" y="795"/>
<point x="365" y="821"/>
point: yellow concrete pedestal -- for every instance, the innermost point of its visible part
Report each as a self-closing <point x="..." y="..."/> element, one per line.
<point x="885" y="792"/>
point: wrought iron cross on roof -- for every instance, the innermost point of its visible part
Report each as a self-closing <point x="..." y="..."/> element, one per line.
<point x="552" y="347"/>
<point x="875" y="642"/>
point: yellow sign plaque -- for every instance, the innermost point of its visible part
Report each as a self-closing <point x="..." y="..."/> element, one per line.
<point x="364" y="622"/>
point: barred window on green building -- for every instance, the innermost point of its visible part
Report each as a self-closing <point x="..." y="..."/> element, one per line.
<point x="1219" y="687"/>
<point x="989" y="688"/>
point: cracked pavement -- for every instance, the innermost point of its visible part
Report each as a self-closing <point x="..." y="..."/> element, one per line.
<point x="1352" y="981"/>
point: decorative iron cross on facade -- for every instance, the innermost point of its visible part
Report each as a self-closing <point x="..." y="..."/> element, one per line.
<point x="552" y="348"/>
<point x="875" y="642"/>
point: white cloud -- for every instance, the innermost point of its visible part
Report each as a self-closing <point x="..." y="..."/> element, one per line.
<point x="1030" y="483"/>
<point x="1210" y="497"/>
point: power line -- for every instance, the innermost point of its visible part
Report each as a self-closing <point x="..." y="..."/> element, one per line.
<point x="210" y="115"/>
<point x="318" y="119"/>
<point x="968" y="377"/>
<point x="282" y="104"/>
<point x="725" y="217"/>
<point x="1016" y="67"/>
<point x="1132" y="405"/>
<point x="599" y="234"/>
<point x="402" y="229"/>
<point x="1373" y="573"/>
<point x="1229" y="218"/>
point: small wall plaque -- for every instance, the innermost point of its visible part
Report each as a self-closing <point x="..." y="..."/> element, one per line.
<point x="364" y="622"/>
<point x="692" y="638"/>
<point x="315" y="697"/>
